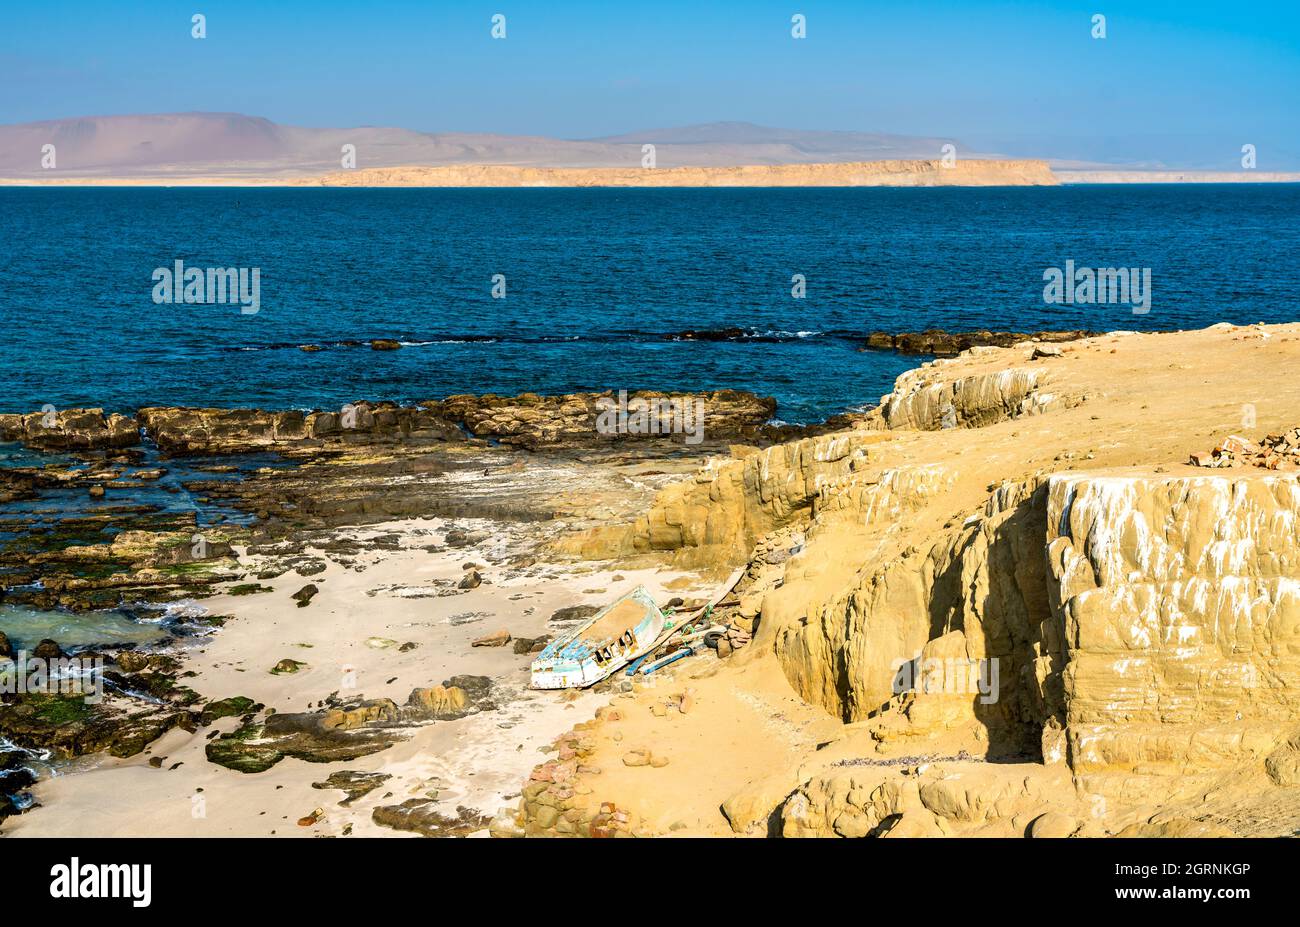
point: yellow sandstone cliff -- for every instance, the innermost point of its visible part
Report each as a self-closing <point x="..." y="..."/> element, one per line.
<point x="1030" y="515"/>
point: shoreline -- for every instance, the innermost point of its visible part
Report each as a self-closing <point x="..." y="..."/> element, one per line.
<point x="471" y="766"/>
<point x="975" y="463"/>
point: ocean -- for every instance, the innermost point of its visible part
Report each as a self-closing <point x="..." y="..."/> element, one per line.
<point x="595" y="283"/>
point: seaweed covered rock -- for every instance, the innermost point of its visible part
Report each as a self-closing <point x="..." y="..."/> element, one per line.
<point x="346" y="730"/>
<point x="339" y="733"/>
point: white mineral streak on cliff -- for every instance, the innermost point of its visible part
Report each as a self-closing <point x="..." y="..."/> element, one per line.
<point x="1181" y="610"/>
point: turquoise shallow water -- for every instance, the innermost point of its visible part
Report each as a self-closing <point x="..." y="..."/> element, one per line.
<point x="26" y="628"/>
<point x="594" y="281"/>
<point x="163" y="499"/>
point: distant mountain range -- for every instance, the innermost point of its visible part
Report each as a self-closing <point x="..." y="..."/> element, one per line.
<point x="235" y="147"/>
<point x="230" y="144"/>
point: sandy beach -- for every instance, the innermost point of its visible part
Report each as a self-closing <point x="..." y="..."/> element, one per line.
<point x="350" y="637"/>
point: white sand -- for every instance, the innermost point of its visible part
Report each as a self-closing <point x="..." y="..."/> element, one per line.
<point x="479" y="762"/>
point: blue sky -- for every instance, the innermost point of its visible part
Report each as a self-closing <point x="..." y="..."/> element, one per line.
<point x="1179" y="81"/>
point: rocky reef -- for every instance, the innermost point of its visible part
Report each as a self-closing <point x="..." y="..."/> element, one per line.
<point x="528" y="420"/>
<point x="365" y="462"/>
<point x="139" y="698"/>
<point x="70" y="430"/>
<point x="181" y="431"/>
<point x="942" y="343"/>
<point x="345" y="729"/>
<point x="535" y="422"/>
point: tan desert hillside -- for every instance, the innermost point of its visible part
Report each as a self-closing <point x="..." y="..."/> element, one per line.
<point x="176" y="147"/>
<point x="1033" y="506"/>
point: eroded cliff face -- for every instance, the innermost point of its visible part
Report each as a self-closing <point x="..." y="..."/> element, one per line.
<point x="1148" y="634"/>
<point x="1179" y="600"/>
<point x="922" y="400"/>
<point x="1124" y="636"/>
<point x="715" y="518"/>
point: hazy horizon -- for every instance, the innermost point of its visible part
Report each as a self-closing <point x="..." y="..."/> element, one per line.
<point x="1183" y="85"/>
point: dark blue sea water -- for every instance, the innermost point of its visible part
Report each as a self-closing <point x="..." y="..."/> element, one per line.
<point x="594" y="279"/>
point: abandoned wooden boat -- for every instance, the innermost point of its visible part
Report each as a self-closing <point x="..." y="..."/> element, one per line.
<point x="632" y="627"/>
<point x="612" y="638"/>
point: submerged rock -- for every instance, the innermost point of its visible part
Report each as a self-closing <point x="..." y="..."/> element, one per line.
<point x="47" y="650"/>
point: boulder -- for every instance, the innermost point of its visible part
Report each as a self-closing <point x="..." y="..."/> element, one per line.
<point x="495" y="639"/>
<point x="524" y="645"/>
<point x="442" y="702"/>
<point x="1053" y="824"/>
<point x="47" y="650"/>
<point x="471" y="580"/>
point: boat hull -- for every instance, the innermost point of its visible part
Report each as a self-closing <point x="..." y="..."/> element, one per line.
<point x="600" y="647"/>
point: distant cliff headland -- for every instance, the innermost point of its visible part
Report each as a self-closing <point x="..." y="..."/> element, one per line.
<point x="230" y="149"/>
<point x="899" y="173"/>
